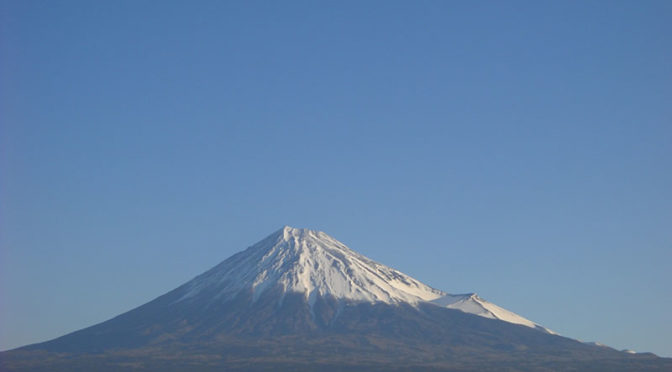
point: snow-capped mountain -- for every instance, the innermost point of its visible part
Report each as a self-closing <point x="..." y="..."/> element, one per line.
<point x="314" y="264"/>
<point x="301" y="300"/>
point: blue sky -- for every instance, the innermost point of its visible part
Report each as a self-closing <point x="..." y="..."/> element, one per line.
<point x="521" y="150"/>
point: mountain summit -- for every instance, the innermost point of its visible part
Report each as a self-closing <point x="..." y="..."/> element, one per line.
<point x="311" y="263"/>
<point x="301" y="300"/>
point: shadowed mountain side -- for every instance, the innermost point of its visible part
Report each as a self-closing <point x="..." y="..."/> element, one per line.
<point x="278" y="315"/>
<point x="244" y="335"/>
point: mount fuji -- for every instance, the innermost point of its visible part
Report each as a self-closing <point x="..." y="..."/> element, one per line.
<point x="315" y="265"/>
<point x="301" y="300"/>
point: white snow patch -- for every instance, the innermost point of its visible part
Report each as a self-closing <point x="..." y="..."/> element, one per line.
<point x="473" y="304"/>
<point x="310" y="262"/>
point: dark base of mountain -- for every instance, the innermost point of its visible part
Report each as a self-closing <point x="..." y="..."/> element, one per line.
<point x="179" y="360"/>
<point x="286" y="334"/>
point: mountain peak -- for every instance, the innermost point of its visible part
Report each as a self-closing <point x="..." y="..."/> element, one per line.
<point x="289" y="231"/>
<point x="312" y="263"/>
<point x="294" y="236"/>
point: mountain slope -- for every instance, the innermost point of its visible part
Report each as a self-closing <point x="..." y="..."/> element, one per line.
<point x="473" y="304"/>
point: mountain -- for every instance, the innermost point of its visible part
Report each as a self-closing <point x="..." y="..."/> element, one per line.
<point x="300" y="300"/>
<point x="316" y="265"/>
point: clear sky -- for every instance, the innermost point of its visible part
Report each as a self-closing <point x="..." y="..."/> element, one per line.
<point x="521" y="150"/>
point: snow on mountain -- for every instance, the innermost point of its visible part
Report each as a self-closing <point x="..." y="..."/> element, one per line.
<point x="312" y="263"/>
<point x="315" y="264"/>
<point x="472" y="303"/>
